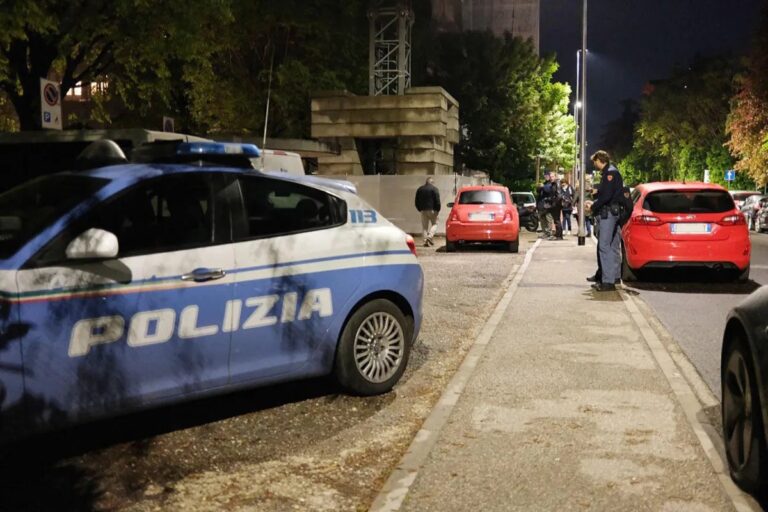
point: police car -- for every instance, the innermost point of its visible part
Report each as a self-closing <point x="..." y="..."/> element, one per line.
<point x="133" y="285"/>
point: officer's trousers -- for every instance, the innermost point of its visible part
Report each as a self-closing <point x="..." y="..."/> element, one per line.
<point x="609" y="248"/>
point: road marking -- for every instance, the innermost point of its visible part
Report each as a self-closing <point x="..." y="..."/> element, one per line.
<point x="690" y="404"/>
<point x="759" y="267"/>
<point x="396" y="488"/>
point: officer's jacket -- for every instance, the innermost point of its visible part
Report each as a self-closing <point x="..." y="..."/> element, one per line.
<point x="610" y="189"/>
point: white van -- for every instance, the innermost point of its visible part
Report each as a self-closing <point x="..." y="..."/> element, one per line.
<point x="275" y="160"/>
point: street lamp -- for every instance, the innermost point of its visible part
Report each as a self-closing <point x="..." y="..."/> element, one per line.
<point x="583" y="163"/>
<point x="576" y="107"/>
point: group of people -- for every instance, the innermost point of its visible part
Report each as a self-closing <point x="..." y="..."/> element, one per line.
<point x="557" y="204"/>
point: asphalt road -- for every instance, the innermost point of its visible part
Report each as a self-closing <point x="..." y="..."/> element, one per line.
<point x="693" y="307"/>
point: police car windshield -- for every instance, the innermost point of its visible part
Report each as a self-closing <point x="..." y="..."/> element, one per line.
<point x="32" y="206"/>
<point x="482" y="197"/>
<point x="689" y="201"/>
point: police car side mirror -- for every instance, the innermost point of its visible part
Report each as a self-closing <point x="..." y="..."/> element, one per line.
<point x="449" y="205"/>
<point x="93" y="244"/>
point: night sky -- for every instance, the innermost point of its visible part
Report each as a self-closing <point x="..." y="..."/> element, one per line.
<point x="633" y="41"/>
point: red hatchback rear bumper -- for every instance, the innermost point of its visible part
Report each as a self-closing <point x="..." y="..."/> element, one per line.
<point x="481" y="232"/>
<point x="643" y="250"/>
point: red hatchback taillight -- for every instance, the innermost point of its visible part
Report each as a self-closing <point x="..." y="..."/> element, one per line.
<point x="647" y="220"/>
<point x="508" y="216"/>
<point x="454" y="216"/>
<point x="410" y="243"/>
<point x="733" y="220"/>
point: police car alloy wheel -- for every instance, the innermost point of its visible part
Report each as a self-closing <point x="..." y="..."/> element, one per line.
<point x="374" y="348"/>
<point x="742" y="423"/>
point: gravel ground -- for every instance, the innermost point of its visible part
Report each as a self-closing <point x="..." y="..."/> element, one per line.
<point x="294" y="446"/>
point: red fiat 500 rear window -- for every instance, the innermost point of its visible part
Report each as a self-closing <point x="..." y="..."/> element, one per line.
<point x="482" y="197"/>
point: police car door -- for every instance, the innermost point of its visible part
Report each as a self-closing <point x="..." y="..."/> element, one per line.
<point x="298" y="268"/>
<point x="116" y="333"/>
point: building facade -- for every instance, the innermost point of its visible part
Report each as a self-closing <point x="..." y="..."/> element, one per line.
<point x="519" y="17"/>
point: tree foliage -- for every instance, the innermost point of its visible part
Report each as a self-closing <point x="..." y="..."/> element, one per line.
<point x="307" y="45"/>
<point x="748" y="118"/>
<point x="510" y="110"/>
<point x="681" y="127"/>
<point x="134" y="44"/>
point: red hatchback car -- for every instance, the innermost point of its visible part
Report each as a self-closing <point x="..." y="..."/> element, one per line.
<point x="483" y="214"/>
<point x="684" y="225"/>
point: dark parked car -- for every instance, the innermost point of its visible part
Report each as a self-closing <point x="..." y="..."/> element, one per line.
<point x="744" y="377"/>
<point x="750" y="208"/>
<point x="761" y="220"/>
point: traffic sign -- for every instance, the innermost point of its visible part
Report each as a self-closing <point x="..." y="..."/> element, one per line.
<point x="730" y="175"/>
<point x="50" y="104"/>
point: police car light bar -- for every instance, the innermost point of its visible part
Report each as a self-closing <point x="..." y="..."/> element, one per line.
<point x="218" y="148"/>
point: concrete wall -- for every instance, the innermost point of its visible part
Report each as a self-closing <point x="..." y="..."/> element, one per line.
<point x="424" y="122"/>
<point x="393" y="196"/>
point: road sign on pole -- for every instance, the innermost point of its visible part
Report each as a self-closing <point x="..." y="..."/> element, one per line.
<point x="706" y="175"/>
<point x="50" y="104"/>
<point x="730" y="175"/>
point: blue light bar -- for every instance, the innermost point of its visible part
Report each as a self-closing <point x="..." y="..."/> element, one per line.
<point x="218" y="148"/>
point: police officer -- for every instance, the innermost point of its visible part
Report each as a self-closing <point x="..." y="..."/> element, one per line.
<point x="606" y="210"/>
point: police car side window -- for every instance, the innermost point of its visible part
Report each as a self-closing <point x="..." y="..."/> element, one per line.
<point x="169" y="213"/>
<point x="276" y="207"/>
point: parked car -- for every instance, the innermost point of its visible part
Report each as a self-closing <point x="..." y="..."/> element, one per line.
<point x="744" y="381"/>
<point x="750" y="207"/>
<point x="761" y="219"/>
<point x="739" y="196"/>
<point x="136" y="285"/>
<point x="482" y="213"/>
<point x="526" y="210"/>
<point x="677" y="225"/>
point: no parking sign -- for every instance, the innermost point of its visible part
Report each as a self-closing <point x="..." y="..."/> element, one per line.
<point x="50" y="104"/>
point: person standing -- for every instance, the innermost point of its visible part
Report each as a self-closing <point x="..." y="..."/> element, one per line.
<point x="566" y="199"/>
<point x="556" y="210"/>
<point x="428" y="204"/>
<point x="606" y="209"/>
<point x="544" y="206"/>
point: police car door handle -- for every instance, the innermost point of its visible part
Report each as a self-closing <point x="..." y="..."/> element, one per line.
<point x="204" y="274"/>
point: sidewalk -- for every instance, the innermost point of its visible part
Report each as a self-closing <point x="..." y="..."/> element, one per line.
<point x="566" y="409"/>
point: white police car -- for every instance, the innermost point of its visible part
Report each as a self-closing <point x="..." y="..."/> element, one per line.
<point x="133" y="285"/>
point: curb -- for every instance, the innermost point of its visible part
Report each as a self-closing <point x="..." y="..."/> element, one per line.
<point x="395" y="489"/>
<point x="685" y="391"/>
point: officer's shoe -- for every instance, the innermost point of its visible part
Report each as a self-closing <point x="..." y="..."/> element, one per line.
<point x="604" y="287"/>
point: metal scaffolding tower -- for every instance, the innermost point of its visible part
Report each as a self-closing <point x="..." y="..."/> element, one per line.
<point x="389" y="47"/>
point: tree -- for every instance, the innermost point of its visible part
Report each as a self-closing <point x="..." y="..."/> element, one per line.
<point x="134" y="45"/>
<point x="748" y="119"/>
<point x="509" y="108"/>
<point x="681" y="127"/>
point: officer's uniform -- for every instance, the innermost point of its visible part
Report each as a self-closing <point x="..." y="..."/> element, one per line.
<point x="606" y="210"/>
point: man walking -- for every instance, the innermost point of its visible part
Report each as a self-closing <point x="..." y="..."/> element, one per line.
<point x="606" y="209"/>
<point x="428" y="204"/>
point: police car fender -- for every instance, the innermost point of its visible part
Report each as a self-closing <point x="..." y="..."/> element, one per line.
<point x="252" y="313"/>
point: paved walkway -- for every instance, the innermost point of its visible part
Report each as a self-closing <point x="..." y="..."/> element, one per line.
<point x="565" y="406"/>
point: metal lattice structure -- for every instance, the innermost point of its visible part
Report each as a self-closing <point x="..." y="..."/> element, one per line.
<point x="389" y="47"/>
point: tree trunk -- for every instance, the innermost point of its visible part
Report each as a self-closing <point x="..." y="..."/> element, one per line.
<point x="27" y="111"/>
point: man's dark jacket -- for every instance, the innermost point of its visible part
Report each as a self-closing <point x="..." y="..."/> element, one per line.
<point x="427" y="198"/>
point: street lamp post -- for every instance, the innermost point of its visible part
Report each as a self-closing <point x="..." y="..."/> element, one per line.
<point x="583" y="163"/>
<point x="576" y="106"/>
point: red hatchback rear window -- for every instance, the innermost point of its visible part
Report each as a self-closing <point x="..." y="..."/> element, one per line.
<point x="482" y="197"/>
<point x="689" y="201"/>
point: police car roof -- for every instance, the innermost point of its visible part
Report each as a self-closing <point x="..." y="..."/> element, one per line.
<point x="130" y="173"/>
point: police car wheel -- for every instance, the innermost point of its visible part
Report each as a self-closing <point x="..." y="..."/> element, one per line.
<point x="742" y="421"/>
<point x="374" y="348"/>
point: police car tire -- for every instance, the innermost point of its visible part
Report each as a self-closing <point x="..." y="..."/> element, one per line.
<point x="346" y="370"/>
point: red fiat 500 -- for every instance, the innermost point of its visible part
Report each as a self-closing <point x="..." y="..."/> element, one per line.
<point x="685" y="225"/>
<point x="483" y="214"/>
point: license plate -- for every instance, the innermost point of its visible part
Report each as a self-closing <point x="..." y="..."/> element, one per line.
<point x="691" y="228"/>
<point x="481" y="216"/>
